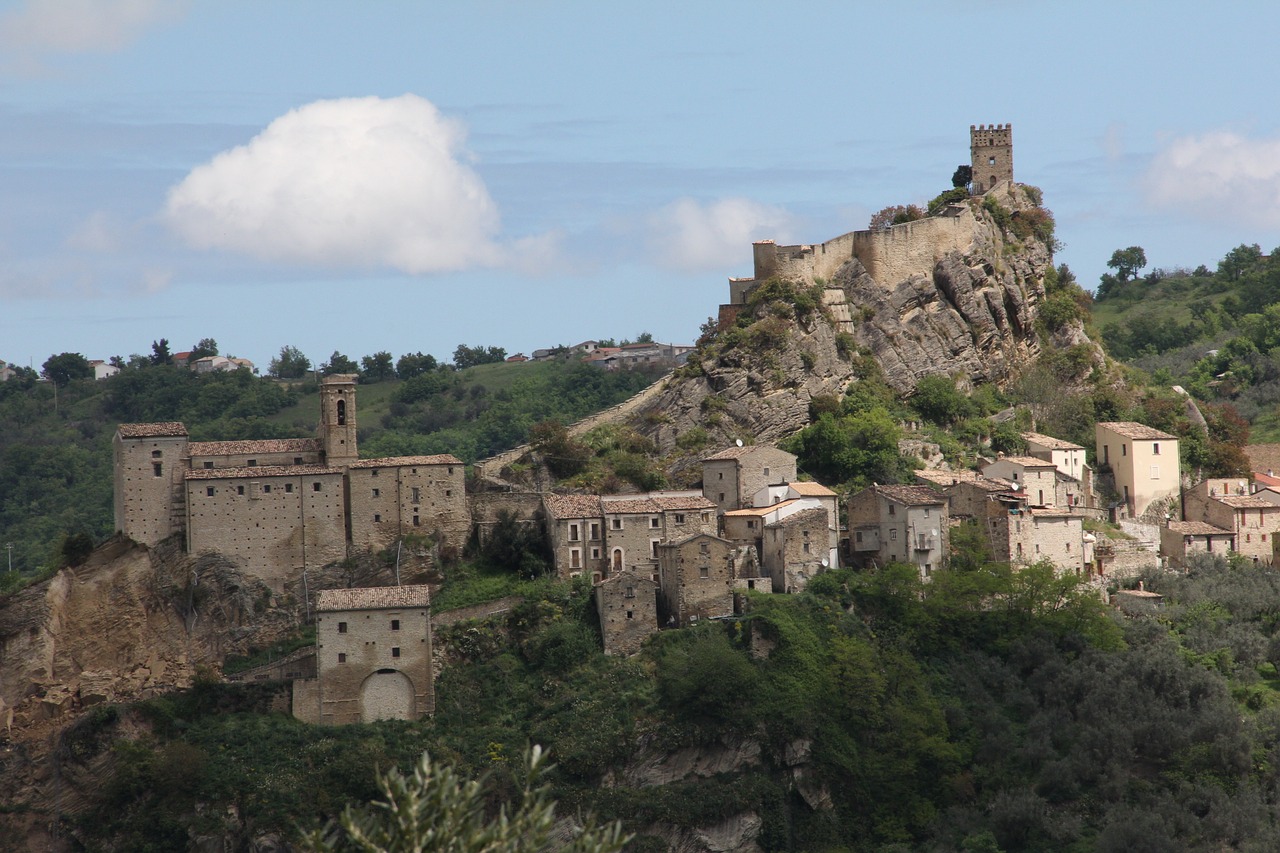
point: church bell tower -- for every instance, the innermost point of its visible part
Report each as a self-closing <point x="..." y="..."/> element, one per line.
<point x="338" y="419"/>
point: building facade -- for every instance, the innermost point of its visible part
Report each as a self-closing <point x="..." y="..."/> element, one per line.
<point x="1144" y="462"/>
<point x="627" y="604"/>
<point x="732" y="477"/>
<point x="904" y="524"/>
<point x="696" y="578"/>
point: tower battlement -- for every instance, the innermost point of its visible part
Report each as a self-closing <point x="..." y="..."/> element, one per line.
<point x="991" y="151"/>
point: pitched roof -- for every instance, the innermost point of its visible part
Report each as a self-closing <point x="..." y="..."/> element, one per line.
<point x="811" y="490"/>
<point x="1050" y="442"/>
<point x="270" y="445"/>
<point x="1265" y="479"/>
<point x="1263" y="457"/>
<point x="166" y="429"/>
<point x="259" y="471"/>
<point x="1197" y="528"/>
<point x="572" y="506"/>
<point x="1244" y="502"/>
<point x="969" y="478"/>
<point x="757" y="511"/>
<point x="373" y="598"/>
<point x="1025" y="462"/>
<point x="406" y="461"/>
<point x="1133" y="429"/>
<point x="911" y="495"/>
<point x="739" y="452"/>
<point x="804" y="516"/>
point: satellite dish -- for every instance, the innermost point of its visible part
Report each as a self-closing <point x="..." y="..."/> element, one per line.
<point x="825" y="563"/>
<point x="738" y="442"/>
<point x="933" y="532"/>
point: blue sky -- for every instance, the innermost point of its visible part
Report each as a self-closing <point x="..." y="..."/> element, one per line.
<point x="410" y="176"/>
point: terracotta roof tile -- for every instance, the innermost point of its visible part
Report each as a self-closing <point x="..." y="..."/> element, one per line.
<point x="1263" y="456"/>
<point x="738" y="452"/>
<point x="804" y="516"/>
<point x="373" y="598"/>
<point x="260" y="471"/>
<point x="407" y="461"/>
<point x="1025" y="462"/>
<point x="572" y="506"/>
<point x="811" y="490"/>
<point x="166" y="429"/>
<point x="757" y="511"/>
<point x="1197" y="528"/>
<point x="911" y="495"/>
<point x="1244" y="502"/>
<point x="1133" y="429"/>
<point x="270" y="445"/>
<point x="1050" y="442"/>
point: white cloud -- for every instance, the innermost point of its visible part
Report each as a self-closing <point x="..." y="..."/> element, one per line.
<point x="355" y="182"/>
<point x="82" y="26"/>
<point x="1221" y="176"/>
<point x="99" y="233"/>
<point x="694" y="237"/>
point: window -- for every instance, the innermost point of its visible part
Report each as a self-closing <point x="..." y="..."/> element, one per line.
<point x="991" y="161"/>
<point x="209" y="491"/>
<point x="630" y="593"/>
<point x="395" y="624"/>
<point x="653" y="547"/>
<point x="595" y="530"/>
<point x="575" y="558"/>
<point x="342" y="413"/>
<point x="706" y="516"/>
<point x="156" y="454"/>
<point x="1248" y="537"/>
<point x="857" y="537"/>
<point x="417" y="522"/>
<point x="373" y="472"/>
<point x="253" y="463"/>
<point x="806" y="547"/>
<point x="595" y="553"/>
<point x="894" y="510"/>
<point x="751" y="524"/>
<point x="297" y="460"/>
<point x="1155" y="448"/>
<point x="448" y="493"/>
<point x="395" y="651"/>
<point x="288" y="487"/>
<point x="679" y="518"/>
<point x="720" y="476"/>
<point x="1124" y="450"/>
<point x="1155" y="472"/>
<point x="377" y="517"/>
<point x="342" y="657"/>
<point x="239" y="490"/>
<point x="722" y="497"/>
<point x="653" y="521"/>
<point x="926" y="514"/>
<point x="893" y="535"/>
<point x="417" y="495"/>
<point x="266" y="488"/>
<point x="766" y="475"/>
<point x="573" y="533"/>
<point x="342" y="627"/>
<point x="617" y="523"/>
<point x="450" y="469"/>
<point x="629" y="616"/>
<point x="315" y="487"/>
<point x="208" y="464"/>
<point x="704" y="547"/>
<point x="157" y="469"/>
<point x="377" y="493"/>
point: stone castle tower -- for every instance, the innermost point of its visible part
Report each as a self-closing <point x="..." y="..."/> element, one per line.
<point x="338" y="419"/>
<point x="991" y="149"/>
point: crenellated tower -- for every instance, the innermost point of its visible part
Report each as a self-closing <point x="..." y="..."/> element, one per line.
<point x="991" y="150"/>
<point x="338" y="419"/>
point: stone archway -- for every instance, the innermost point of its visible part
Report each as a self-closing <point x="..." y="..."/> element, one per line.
<point x="386" y="695"/>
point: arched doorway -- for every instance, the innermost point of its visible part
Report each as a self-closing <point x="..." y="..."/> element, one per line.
<point x="386" y="695"/>
<point x="617" y="559"/>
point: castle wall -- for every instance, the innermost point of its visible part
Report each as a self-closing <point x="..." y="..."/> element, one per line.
<point x="390" y="499"/>
<point x="251" y="459"/>
<point x="148" y="475"/>
<point x="991" y="156"/>
<point x="274" y="524"/>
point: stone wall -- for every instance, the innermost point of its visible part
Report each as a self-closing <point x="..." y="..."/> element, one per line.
<point x="627" y="604"/>
<point x="401" y="500"/>
<point x="386" y="673"/>
<point x="145" y="500"/>
<point x="485" y="507"/>
<point x="696" y="579"/>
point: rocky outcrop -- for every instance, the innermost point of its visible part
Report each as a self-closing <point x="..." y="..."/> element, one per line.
<point x="973" y="318"/>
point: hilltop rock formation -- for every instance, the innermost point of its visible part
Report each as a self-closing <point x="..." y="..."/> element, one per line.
<point x="973" y="316"/>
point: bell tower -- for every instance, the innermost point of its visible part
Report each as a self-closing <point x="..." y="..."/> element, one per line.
<point x="338" y="419"/>
<point x="991" y="149"/>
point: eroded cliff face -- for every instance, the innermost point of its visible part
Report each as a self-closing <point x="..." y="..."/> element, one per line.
<point x="973" y="318"/>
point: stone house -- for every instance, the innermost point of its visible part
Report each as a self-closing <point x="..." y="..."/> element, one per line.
<point x="732" y="477"/>
<point x="810" y="494"/>
<point x="1043" y="484"/>
<point x="1070" y="461"/>
<point x="1143" y="461"/>
<point x="1181" y="539"/>
<point x="373" y="657"/>
<point x="696" y="576"/>
<point x="906" y="524"/>
<point x="627" y="604"/>
<point x="968" y="493"/>
<point x="796" y="548"/>
<point x="603" y="534"/>
<point x="1225" y="503"/>
<point x="281" y="505"/>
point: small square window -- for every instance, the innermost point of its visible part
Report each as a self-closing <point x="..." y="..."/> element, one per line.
<point x="377" y="493"/>
<point x="315" y="487"/>
<point x="297" y="460"/>
<point x="448" y="493"/>
<point x="395" y="624"/>
<point x="342" y="627"/>
<point x="342" y="657"/>
<point x="653" y="522"/>
<point x="395" y="651"/>
<point x="377" y="517"/>
<point x="156" y="454"/>
<point x="209" y="491"/>
<point x="417" y="522"/>
<point x="157" y="469"/>
<point x="288" y="487"/>
<point x="239" y="490"/>
<point x="679" y="518"/>
<point x="253" y="463"/>
<point x="266" y="488"/>
<point x="617" y="524"/>
<point x="208" y="465"/>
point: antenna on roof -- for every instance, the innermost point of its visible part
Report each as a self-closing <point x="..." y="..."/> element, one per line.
<point x="738" y="441"/>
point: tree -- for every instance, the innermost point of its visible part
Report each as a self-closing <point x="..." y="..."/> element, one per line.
<point x="410" y="365"/>
<point x="204" y="347"/>
<point x="377" y="367"/>
<point x="160" y="352"/>
<point x="290" y="364"/>
<point x="63" y="368"/>
<point x="465" y="356"/>
<point x="1127" y="262"/>
<point x="1238" y="261"/>
<point x="962" y="176"/>
<point x="436" y="810"/>
<point x="938" y="401"/>
<point x="339" y="363"/>
<point x="895" y="214"/>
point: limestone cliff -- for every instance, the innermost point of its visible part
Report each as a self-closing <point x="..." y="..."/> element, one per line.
<point x="973" y="316"/>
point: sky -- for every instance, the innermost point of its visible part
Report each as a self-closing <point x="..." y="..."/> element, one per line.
<point x="410" y="176"/>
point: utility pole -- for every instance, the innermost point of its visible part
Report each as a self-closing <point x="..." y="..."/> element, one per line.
<point x="9" y="547"/>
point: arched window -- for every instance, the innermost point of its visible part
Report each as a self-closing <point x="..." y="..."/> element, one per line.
<point x="342" y="413"/>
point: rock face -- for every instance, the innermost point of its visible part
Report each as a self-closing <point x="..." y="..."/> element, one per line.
<point x="974" y="318"/>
